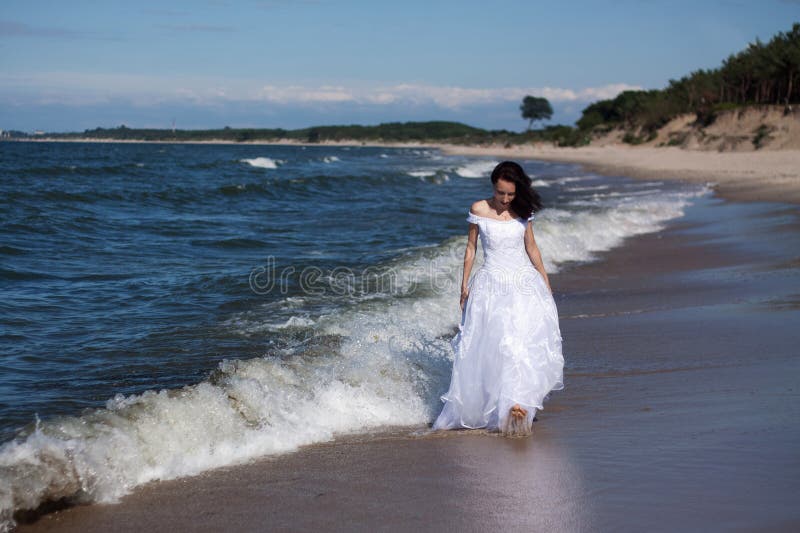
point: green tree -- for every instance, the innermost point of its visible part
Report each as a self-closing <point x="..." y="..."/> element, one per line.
<point x="535" y="108"/>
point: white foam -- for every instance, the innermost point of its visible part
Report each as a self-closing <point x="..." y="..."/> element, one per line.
<point x="588" y="188"/>
<point x="539" y="183"/>
<point x="330" y="159"/>
<point x="565" y="236"/>
<point x="421" y="173"/>
<point x="296" y="322"/>
<point x="476" y="169"/>
<point x="570" y="179"/>
<point x="262" y="162"/>
<point x="387" y="365"/>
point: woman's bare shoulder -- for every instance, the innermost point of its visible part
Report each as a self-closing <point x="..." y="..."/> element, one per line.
<point x="480" y="208"/>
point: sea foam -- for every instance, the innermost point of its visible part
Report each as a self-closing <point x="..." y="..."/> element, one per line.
<point x="476" y="169"/>
<point x="422" y="173"/>
<point x="262" y="162"/>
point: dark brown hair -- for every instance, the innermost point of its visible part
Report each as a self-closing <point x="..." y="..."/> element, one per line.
<point x="526" y="200"/>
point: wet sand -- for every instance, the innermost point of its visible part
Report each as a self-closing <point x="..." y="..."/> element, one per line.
<point x="680" y="413"/>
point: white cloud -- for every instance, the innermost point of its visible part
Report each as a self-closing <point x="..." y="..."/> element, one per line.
<point x="449" y="97"/>
<point x="456" y="97"/>
<point x="298" y="94"/>
<point x="82" y="89"/>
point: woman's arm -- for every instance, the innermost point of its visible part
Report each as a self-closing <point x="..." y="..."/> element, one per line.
<point x="469" y="258"/>
<point x="534" y="255"/>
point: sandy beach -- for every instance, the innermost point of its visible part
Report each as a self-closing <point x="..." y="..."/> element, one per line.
<point x="762" y="176"/>
<point x="691" y="426"/>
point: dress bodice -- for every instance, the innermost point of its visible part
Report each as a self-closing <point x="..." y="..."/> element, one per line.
<point x="502" y="241"/>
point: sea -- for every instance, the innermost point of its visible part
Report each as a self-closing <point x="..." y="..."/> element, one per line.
<point x="166" y="309"/>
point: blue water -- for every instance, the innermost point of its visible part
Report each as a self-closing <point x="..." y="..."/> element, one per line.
<point x="120" y="263"/>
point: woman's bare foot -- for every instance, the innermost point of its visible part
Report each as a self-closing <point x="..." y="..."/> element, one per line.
<point x="516" y="424"/>
<point x="518" y="413"/>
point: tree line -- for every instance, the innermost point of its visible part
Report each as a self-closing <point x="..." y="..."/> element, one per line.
<point x="763" y="73"/>
<point x="391" y="131"/>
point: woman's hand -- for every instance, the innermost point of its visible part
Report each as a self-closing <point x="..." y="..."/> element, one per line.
<point x="464" y="296"/>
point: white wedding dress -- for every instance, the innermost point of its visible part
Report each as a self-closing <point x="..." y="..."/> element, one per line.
<point x="508" y="348"/>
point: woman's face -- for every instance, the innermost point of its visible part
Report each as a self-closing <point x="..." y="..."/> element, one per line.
<point x="504" y="192"/>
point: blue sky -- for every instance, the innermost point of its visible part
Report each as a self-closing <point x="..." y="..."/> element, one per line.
<point x="74" y="65"/>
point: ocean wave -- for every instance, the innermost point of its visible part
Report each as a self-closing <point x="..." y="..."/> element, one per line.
<point x="262" y="162"/>
<point x="294" y="322"/>
<point x="366" y="358"/>
<point x="571" y="179"/>
<point x="245" y="410"/>
<point x="476" y="169"/>
<point x="436" y="176"/>
<point x="588" y="188"/>
<point x="569" y="236"/>
<point x="422" y="173"/>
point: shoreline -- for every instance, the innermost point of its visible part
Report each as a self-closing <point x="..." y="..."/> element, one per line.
<point x="756" y="176"/>
<point x="759" y="176"/>
<point x="662" y="439"/>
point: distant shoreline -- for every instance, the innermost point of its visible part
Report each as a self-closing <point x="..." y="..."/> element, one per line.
<point x="760" y="176"/>
<point x="276" y="142"/>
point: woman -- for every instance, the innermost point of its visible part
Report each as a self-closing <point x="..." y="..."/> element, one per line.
<point x="508" y="348"/>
